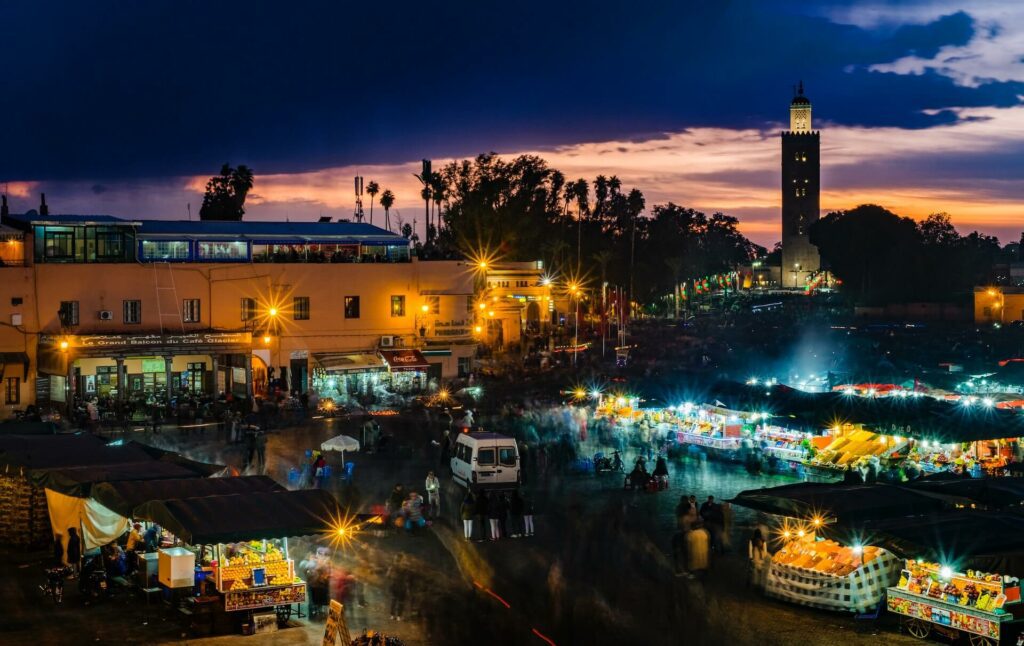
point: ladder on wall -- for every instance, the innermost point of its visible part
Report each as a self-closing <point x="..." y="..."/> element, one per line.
<point x="166" y="289"/>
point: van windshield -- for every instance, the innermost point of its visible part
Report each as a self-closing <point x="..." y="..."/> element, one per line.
<point x="485" y="457"/>
<point x="507" y="456"/>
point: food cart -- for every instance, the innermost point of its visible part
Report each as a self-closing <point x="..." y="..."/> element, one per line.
<point x="854" y="447"/>
<point x="931" y="598"/>
<point x="235" y="573"/>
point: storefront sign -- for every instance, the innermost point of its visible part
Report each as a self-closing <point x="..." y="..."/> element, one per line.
<point x="459" y="323"/>
<point x="404" y="360"/>
<point x="152" y="365"/>
<point x="264" y="597"/>
<point x="943" y="614"/>
<point x="148" y="340"/>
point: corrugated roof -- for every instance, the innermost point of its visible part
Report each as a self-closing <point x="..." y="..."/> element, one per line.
<point x="31" y="218"/>
<point x="253" y="229"/>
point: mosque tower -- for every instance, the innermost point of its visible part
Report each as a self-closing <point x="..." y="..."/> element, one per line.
<point x="801" y="192"/>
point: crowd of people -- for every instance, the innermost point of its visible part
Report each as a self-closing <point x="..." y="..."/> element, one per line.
<point x="703" y="531"/>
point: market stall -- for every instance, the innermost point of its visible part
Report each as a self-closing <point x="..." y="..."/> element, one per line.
<point x="240" y="541"/>
<point x="932" y="597"/>
<point x="825" y="574"/>
<point x="854" y="447"/>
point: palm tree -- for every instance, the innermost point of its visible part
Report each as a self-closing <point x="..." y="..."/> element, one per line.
<point x="438" y="193"/>
<point x="425" y="195"/>
<point x="675" y="265"/>
<point x="580" y="192"/>
<point x="372" y="189"/>
<point x="602" y="258"/>
<point x="387" y="200"/>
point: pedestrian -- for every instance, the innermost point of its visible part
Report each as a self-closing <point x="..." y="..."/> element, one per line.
<point x="466" y="511"/>
<point x="134" y="538"/>
<point x="412" y="509"/>
<point x="758" y="560"/>
<point x="446" y="447"/>
<point x="74" y="551"/>
<point x="527" y="515"/>
<point x="726" y="511"/>
<point x="399" y="586"/>
<point x="151" y="538"/>
<point x="394" y="503"/>
<point x="483" y="513"/>
<point x="261" y="450"/>
<point x="515" y="512"/>
<point x="433" y="487"/>
<point x="496" y="511"/>
<point x="318" y="468"/>
<point x="697" y="545"/>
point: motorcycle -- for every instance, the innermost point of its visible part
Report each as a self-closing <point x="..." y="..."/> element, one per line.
<point x="54" y="586"/>
<point x="605" y="463"/>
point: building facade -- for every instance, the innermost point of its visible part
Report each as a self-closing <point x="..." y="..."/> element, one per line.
<point x="513" y="299"/>
<point x="801" y="193"/>
<point x="134" y="310"/>
<point x="998" y="305"/>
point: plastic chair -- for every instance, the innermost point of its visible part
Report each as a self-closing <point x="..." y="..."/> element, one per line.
<point x="869" y="618"/>
<point x="294" y="475"/>
<point x="347" y="474"/>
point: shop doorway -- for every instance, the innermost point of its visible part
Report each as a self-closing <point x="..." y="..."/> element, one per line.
<point x="299" y="375"/>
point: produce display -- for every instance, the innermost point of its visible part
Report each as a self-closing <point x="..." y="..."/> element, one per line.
<point x="977" y="590"/>
<point x="824" y="557"/>
<point x="854" y="448"/>
<point x="235" y="573"/>
<point x="784" y="444"/>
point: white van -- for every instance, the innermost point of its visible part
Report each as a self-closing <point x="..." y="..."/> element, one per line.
<point x="485" y="459"/>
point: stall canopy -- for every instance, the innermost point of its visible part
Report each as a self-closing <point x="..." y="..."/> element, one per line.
<point x="17" y="427"/>
<point x="349" y="362"/>
<point x="924" y="418"/>
<point x="124" y="496"/>
<point x="993" y="493"/>
<point x="71" y="464"/>
<point x="242" y="517"/>
<point x="846" y="502"/>
<point x="966" y="538"/>
<point x="405" y="360"/>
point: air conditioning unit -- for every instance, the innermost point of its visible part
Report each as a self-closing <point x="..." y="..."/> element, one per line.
<point x="106" y="315"/>
<point x="387" y="342"/>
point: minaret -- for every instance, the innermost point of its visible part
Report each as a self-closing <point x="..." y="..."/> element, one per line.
<point x="801" y="192"/>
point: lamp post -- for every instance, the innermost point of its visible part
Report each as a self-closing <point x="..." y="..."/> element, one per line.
<point x="574" y="293"/>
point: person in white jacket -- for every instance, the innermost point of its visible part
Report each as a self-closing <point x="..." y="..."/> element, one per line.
<point x="433" y="487"/>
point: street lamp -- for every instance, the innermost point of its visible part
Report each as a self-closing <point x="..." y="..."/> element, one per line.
<point x="574" y="293"/>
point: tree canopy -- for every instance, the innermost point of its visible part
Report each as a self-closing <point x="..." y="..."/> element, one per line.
<point x="224" y="198"/>
<point x="884" y="258"/>
<point x="522" y="209"/>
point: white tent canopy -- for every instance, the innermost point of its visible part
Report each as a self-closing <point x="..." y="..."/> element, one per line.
<point x="341" y="443"/>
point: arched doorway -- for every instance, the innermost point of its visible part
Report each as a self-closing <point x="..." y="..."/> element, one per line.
<point x="533" y="317"/>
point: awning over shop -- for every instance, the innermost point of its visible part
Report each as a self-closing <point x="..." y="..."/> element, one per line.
<point x="350" y="362"/>
<point x="13" y="359"/>
<point x="243" y="517"/>
<point x="125" y="495"/>
<point x="993" y="493"/>
<point x="78" y="481"/>
<point x="405" y="360"/>
<point x="847" y="503"/>
<point x="17" y="427"/>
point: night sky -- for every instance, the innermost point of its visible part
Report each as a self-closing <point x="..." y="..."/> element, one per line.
<point x="124" y="108"/>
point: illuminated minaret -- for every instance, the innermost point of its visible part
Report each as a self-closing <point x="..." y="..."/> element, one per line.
<point x="801" y="192"/>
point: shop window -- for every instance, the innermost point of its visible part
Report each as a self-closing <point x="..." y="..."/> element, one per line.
<point x="351" y="307"/>
<point x="12" y="393"/>
<point x="248" y="309"/>
<point x="506" y="456"/>
<point x="164" y="250"/>
<point x="194" y="377"/>
<point x="109" y="245"/>
<point x="59" y="245"/>
<point x="485" y="457"/>
<point x="190" y="310"/>
<point x="434" y="303"/>
<point x="227" y="250"/>
<point x="300" y="308"/>
<point x="398" y="306"/>
<point x="133" y="312"/>
<point x="68" y="313"/>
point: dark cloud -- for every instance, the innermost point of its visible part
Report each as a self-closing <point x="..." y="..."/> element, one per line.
<point x="155" y="89"/>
